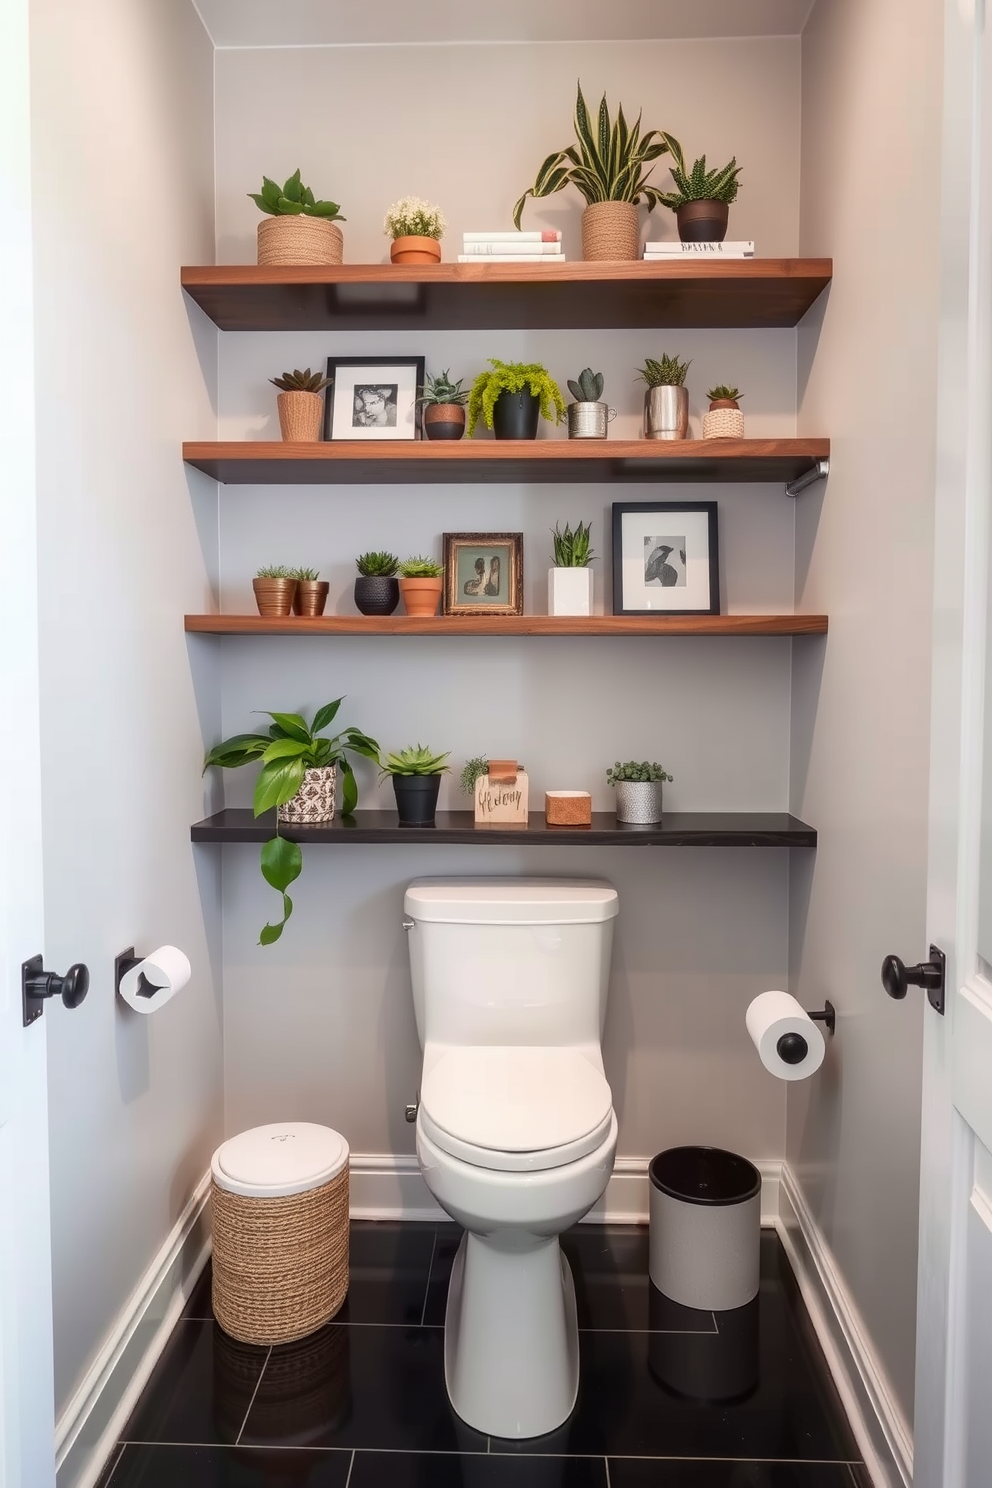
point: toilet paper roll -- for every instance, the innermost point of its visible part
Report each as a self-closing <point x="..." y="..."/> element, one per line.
<point x="156" y="980"/>
<point x="789" y="1043"/>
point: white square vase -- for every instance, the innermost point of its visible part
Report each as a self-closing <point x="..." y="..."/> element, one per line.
<point x="570" y="591"/>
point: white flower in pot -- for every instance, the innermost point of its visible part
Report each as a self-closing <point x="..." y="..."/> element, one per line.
<point x="570" y="582"/>
<point x="416" y="228"/>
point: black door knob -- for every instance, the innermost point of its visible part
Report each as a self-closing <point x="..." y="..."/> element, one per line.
<point x="37" y="985"/>
<point x="897" y="977"/>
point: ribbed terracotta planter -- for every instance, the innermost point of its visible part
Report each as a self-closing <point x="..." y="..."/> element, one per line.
<point x="314" y="801"/>
<point x="310" y="597"/>
<point x="421" y="596"/>
<point x="299" y="240"/>
<point x="444" y="420"/>
<point x="703" y="221"/>
<point x="300" y="417"/>
<point x="610" y="231"/>
<point x="414" y="250"/>
<point x="274" y="596"/>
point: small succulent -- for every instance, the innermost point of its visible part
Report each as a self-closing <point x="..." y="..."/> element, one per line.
<point x="304" y="575"/>
<point x="631" y="770"/>
<point x="417" y="760"/>
<point x="471" y="773"/>
<point x="588" y="388"/>
<point x="441" y="389"/>
<point x="699" y="184"/>
<point x="276" y="571"/>
<point x="377" y="565"/>
<point x="300" y="382"/>
<point x="722" y="391"/>
<point x="572" y="549"/>
<point x="669" y="372"/>
<point x="411" y="217"/>
<point x="420" y="568"/>
<point x="293" y="200"/>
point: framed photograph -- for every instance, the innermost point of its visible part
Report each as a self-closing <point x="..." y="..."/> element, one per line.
<point x="665" y="558"/>
<point x="373" y="397"/>
<point x="483" y="573"/>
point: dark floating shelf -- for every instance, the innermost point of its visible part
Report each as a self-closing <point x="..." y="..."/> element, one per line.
<point x="508" y="625"/>
<point x="679" y="829"/>
<point x="729" y="294"/>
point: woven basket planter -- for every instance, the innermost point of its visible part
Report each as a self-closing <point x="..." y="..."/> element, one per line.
<point x="314" y="801"/>
<point x="723" y="423"/>
<point x="300" y="416"/>
<point x="610" y="231"/>
<point x="299" y="240"/>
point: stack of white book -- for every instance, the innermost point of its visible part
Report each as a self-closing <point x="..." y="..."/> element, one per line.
<point x="667" y="250"/>
<point x="512" y="247"/>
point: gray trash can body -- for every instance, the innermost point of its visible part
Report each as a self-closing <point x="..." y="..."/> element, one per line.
<point x="705" y="1239"/>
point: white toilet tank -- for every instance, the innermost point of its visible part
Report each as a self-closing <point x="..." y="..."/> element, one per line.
<point x="510" y="960"/>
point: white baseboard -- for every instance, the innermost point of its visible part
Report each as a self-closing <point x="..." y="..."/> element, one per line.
<point x="88" y="1428"/>
<point x="881" y="1430"/>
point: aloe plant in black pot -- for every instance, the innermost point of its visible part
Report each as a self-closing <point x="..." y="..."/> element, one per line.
<point x="377" y="590"/>
<point x="416" y="773"/>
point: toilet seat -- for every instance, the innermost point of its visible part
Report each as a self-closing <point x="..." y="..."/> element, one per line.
<point x="516" y="1109"/>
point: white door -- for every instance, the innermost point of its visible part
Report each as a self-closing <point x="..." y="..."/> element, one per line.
<point x="27" y="1432"/>
<point x="953" y="1427"/>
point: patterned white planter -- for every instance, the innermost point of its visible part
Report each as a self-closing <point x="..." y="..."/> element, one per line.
<point x="570" y="591"/>
<point x="639" y="801"/>
<point x="314" y="801"/>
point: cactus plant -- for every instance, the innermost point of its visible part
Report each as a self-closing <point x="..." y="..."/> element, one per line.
<point x="293" y="200"/>
<point x="724" y="394"/>
<point x="275" y="571"/>
<point x="668" y="372"/>
<point x="300" y="382"/>
<point x="377" y="565"/>
<point x="699" y="184"/>
<point x="588" y="388"/>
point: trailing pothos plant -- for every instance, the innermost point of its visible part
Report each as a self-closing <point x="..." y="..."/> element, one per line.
<point x="290" y="748"/>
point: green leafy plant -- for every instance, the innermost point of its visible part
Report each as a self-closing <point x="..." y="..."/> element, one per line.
<point x="723" y="391"/>
<point x="417" y="760"/>
<point x="275" y="571"/>
<point x="301" y="382"/>
<point x="668" y="372"/>
<point x="304" y="575"/>
<point x="377" y="565"/>
<point x="441" y="389"/>
<point x="632" y="770"/>
<point x="290" y="748"/>
<point x="588" y="388"/>
<point x="293" y="200"/>
<point x="420" y="568"/>
<point x="699" y="184"/>
<point x="513" y="377"/>
<point x="572" y="549"/>
<point x="411" y="217"/>
<point x="610" y="162"/>
<point x="473" y="769"/>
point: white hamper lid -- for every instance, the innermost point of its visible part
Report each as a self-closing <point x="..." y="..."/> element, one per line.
<point x="287" y="1157"/>
<point x="516" y="1099"/>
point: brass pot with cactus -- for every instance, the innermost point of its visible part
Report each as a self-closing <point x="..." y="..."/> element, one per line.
<point x="275" y="590"/>
<point x="301" y="408"/>
<point x="443" y="402"/>
<point x="311" y="592"/>
<point x="666" y="401"/>
<point x="298" y="229"/>
<point x="724" y="420"/>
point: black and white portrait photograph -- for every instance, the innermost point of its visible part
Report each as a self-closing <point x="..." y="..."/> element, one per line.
<point x="373" y="397"/>
<point x="374" y="405"/>
<point x="664" y="562"/>
<point x="665" y="558"/>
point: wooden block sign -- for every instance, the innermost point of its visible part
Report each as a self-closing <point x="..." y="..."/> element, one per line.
<point x="502" y="797"/>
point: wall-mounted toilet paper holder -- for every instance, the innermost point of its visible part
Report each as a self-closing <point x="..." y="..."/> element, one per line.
<point x="793" y="1048"/>
<point x="126" y="962"/>
<point x="147" y="983"/>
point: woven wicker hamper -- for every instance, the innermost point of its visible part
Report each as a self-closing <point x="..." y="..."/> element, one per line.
<point x="279" y="1213"/>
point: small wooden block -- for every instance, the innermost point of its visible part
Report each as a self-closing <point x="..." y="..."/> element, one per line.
<point x="502" y="803"/>
<point x="568" y="808"/>
<point x="503" y="772"/>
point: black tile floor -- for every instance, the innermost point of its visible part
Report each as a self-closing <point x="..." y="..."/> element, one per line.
<point x="669" y="1397"/>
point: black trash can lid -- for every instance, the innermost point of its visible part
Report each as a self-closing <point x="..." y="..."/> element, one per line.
<point x="705" y="1175"/>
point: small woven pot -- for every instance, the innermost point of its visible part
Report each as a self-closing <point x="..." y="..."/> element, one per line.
<point x="300" y="416"/>
<point x="310" y="597"/>
<point x="610" y="231"/>
<point x="274" y="596"/>
<point x="703" y="221"/>
<point x="638" y="801"/>
<point x="416" y="799"/>
<point x="299" y="241"/>
<point x="415" y="250"/>
<point x="516" y="415"/>
<point x="314" y="801"/>
<point x="723" y="423"/>
<point x="666" y="413"/>
<point x="444" y="420"/>
<point x="421" y="596"/>
<point x="376" y="594"/>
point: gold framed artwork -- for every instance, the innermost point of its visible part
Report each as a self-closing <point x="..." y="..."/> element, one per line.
<point x="483" y="573"/>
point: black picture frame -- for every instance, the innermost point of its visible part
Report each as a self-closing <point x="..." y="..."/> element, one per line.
<point x="336" y="390"/>
<point x="705" y="563"/>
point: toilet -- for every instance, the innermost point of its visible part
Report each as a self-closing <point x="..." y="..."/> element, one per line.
<point x="516" y="1132"/>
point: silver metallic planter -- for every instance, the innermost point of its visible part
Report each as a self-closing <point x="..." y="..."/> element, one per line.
<point x="639" y="801"/>
<point x="589" y="420"/>
<point x="666" y="413"/>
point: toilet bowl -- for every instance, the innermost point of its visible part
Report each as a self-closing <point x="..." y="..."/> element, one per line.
<point x="516" y="1133"/>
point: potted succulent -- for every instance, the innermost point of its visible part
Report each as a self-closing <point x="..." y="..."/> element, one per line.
<point x="297" y="229"/>
<point x="444" y="407"/>
<point x="570" y="582"/>
<point x="421" y="581"/>
<point x="588" y="418"/>
<point x="301" y="408"/>
<point x="298" y="778"/>
<point x="666" y="402"/>
<point x="311" y="591"/>
<point x="701" y="200"/>
<point x="610" y="165"/>
<point x="638" y="787"/>
<point x="513" y="397"/>
<point x="376" y="589"/>
<point x="275" y="590"/>
<point x="416" y="773"/>
<point x="724" y="420"/>
<point x="416" y="228"/>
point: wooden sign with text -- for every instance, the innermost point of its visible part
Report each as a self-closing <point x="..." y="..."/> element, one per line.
<point x="502" y="797"/>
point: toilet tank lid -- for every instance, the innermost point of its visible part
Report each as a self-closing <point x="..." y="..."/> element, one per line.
<point x="510" y="901"/>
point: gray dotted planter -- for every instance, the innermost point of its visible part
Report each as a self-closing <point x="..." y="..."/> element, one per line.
<point x="639" y="801"/>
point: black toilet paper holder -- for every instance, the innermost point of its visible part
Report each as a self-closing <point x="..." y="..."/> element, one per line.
<point x="793" y="1048"/>
<point x="126" y="962"/>
<point x="828" y="1017"/>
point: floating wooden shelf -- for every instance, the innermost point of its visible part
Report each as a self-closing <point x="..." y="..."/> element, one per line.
<point x="731" y="294"/>
<point x="420" y="462"/>
<point x="509" y="625"/>
<point x="679" y="829"/>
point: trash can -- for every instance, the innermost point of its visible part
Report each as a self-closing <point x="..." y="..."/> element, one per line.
<point x="705" y="1237"/>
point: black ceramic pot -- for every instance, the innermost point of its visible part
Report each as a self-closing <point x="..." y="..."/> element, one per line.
<point x="703" y="221"/>
<point x="375" y="595"/>
<point x="516" y="416"/>
<point x="416" y="799"/>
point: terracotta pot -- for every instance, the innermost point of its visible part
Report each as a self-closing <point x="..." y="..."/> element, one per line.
<point x="310" y="597"/>
<point x="299" y="240"/>
<point x="703" y="221"/>
<point x="414" y="250"/>
<point x="376" y="594"/>
<point x="610" y="231"/>
<point x="300" y="417"/>
<point x="444" y="420"/>
<point x="421" y="596"/>
<point x="274" y="596"/>
<point x="314" y="801"/>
